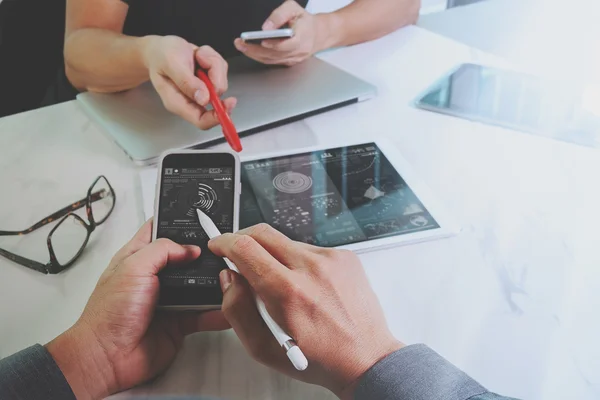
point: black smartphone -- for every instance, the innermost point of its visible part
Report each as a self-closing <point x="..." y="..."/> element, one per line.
<point x="188" y="181"/>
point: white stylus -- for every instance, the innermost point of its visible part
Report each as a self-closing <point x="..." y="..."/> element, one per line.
<point x="292" y="350"/>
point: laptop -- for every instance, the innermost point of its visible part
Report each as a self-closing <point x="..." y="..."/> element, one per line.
<point x="267" y="97"/>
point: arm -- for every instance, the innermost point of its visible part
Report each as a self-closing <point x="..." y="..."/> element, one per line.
<point x="98" y="57"/>
<point x="365" y="20"/>
<point x="32" y="374"/>
<point x="119" y="341"/>
<point x="360" y="21"/>
<point x="323" y="299"/>
<point x="416" y="372"/>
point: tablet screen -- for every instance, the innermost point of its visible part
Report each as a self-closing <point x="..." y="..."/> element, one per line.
<point x="331" y="197"/>
<point x="516" y="101"/>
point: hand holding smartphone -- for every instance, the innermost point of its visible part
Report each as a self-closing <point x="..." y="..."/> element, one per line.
<point x="189" y="181"/>
<point x="259" y="36"/>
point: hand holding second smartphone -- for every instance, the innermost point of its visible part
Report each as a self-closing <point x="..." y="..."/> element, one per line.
<point x="188" y="181"/>
<point x="310" y="34"/>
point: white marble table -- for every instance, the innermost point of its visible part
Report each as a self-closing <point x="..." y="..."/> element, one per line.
<point x="513" y="300"/>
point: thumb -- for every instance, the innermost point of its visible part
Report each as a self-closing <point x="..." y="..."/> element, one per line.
<point x="155" y="256"/>
<point x="283" y="15"/>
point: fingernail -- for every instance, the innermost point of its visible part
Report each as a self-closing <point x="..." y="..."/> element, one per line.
<point x="190" y="247"/>
<point x="268" y="25"/>
<point x="226" y="279"/>
<point x="198" y="97"/>
<point x="239" y="44"/>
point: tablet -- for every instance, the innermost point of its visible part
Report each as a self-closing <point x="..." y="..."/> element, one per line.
<point x="359" y="197"/>
<point x="516" y="101"/>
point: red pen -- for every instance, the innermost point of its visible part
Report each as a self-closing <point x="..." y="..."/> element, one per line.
<point x="229" y="130"/>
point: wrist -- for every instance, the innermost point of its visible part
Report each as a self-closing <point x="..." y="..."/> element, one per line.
<point x="84" y="363"/>
<point x="364" y="363"/>
<point x="329" y="31"/>
<point x="147" y="45"/>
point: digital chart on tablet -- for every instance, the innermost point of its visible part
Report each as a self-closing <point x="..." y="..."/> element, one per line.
<point x="360" y="197"/>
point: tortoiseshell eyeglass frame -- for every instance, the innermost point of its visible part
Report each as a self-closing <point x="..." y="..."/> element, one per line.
<point x="54" y="266"/>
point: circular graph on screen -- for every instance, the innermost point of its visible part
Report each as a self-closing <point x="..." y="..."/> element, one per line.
<point x="197" y="195"/>
<point x="292" y="182"/>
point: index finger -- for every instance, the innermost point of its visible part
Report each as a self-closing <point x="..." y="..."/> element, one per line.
<point x="255" y="263"/>
<point x="215" y="66"/>
<point x="292" y="254"/>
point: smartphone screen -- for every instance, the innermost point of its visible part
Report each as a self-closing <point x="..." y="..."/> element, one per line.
<point x="205" y="181"/>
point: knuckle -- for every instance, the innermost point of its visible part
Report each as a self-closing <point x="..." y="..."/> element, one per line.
<point x="329" y="261"/>
<point x="329" y="253"/>
<point x="163" y="245"/>
<point x="243" y="244"/>
<point x="316" y="264"/>
<point x="163" y="242"/>
<point x="294" y="297"/>
<point x="321" y="269"/>
<point x="206" y="49"/>
<point x="258" y="230"/>
<point x="337" y="255"/>
<point x="124" y="265"/>
<point x="291" y="292"/>
<point x="311" y="304"/>
<point x="187" y="86"/>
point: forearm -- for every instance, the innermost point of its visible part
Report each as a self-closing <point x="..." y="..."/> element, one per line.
<point x="365" y="20"/>
<point x="418" y="373"/>
<point x="32" y="374"/>
<point x="101" y="60"/>
<point x="85" y="366"/>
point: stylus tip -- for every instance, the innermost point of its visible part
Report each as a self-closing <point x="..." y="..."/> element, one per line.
<point x="297" y="358"/>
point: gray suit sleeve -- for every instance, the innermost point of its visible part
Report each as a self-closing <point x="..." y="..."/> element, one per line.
<point x="418" y="373"/>
<point x="32" y="374"/>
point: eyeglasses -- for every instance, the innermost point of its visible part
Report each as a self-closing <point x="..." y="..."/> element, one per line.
<point x="68" y="239"/>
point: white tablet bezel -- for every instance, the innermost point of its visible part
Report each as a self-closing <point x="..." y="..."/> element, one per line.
<point x="447" y="226"/>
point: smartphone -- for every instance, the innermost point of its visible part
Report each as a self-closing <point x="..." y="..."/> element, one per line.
<point x="259" y="36"/>
<point x="187" y="181"/>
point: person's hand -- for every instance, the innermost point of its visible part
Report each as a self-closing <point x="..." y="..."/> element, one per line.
<point x="320" y="297"/>
<point x="308" y="37"/>
<point x="171" y="63"/>
<point x="120" y="341"/>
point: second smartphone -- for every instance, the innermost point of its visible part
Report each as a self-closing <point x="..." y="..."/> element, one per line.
<point x="188" y="181"/>
<point x="259" y="36"/>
